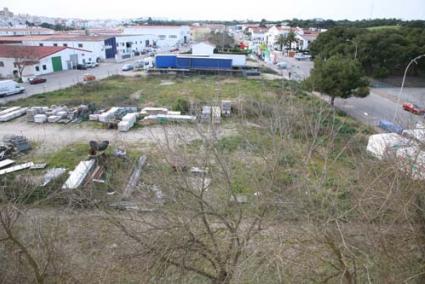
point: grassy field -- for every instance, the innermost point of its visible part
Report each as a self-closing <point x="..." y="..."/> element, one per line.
<point x="124" y="91"/>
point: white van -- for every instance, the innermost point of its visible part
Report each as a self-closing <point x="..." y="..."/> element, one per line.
<point x="10" y="87"/>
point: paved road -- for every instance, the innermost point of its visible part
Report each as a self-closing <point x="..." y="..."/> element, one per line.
<point x="64" y="79"/>
<point x="374" y="107"/>
<point x="382" y="103"/>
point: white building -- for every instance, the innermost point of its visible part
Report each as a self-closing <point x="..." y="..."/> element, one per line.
<point x="305" y="38"/>
<point x="101" y="47"/>
<point x="131" y="45"/>
<point x="203" y="48"/>
<point x="257" y="34"/>
<point x="166" y="36"/>
<point x="10" y="31"/>
<point x="273" y="34"/>
<point x="38" y="60"/>
<point x="206" y="49"/>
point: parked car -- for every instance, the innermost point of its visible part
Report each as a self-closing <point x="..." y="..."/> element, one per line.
<point x="127" y="67"/>
<point x="390" y="127"/>
<point x="81" y="67"/>
<point x="174" y="49"/>
<point x="282" y="65"/>
<point x="413" y="108"/>
<point x="10" y="87"/>
<point x="89" y="77"/>
<point x="301" y="56"/>
<point x="36" y="80"/>
<point x="91" y="64"/>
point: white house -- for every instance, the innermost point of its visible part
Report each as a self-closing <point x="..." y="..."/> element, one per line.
<point x="167" y="36"/>
<point x="257" y="34"/>
<point x="305" y="38"/>
<point x="273" y="34"/>
<point x="203" y="48"/>
<point x="38" y="60"/>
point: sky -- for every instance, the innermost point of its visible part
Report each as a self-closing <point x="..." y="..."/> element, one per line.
<point x="221" y="9"/>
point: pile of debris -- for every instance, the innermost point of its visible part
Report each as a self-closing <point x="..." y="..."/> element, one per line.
<point x="122" y="118"/>
<point x="405" y="150"/>
<point x="12" y="113"/>
<point x="13" y="144"/>
<point x="58" y="114"/>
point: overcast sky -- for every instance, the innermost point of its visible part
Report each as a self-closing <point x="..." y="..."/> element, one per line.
<point x="221" y="9"/>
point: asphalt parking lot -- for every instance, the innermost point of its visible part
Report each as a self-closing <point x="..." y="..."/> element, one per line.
<point x="68" y="78"/>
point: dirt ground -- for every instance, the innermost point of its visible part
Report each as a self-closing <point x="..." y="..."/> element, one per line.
<point x="51" y="137"/>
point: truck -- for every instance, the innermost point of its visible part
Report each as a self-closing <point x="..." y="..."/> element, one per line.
<point x="9" y="88"/>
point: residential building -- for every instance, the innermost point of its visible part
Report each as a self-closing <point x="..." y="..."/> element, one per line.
<point x="272" y="35"/>
<point x="257" y="34"/>
<point x="38" y="60"/>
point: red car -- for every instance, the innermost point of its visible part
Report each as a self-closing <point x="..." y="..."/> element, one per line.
<point x="413" y="108"/>
<point x="37" y="80"/>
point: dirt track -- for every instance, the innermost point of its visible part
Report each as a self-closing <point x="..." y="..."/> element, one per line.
<point x="56" y="136"/>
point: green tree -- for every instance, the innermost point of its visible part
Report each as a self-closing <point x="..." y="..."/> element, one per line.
<point x="289" y="39"/>
<point x="281" y="41"/>
<point x="338" y="76"/>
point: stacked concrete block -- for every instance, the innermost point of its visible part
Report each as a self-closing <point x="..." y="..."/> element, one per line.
<point x="40" y="118"/>
<point x="127" y="122"/>
<point x="108" y="116"/>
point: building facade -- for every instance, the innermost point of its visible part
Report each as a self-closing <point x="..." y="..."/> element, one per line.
<point x="38" y="60"/>
<point x="165" y="36"/>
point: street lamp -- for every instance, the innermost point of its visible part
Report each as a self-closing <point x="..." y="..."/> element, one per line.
<point x="356" y="46"/>
<point x="414" y="60"/>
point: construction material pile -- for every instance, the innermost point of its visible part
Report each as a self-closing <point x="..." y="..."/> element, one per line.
<point x="154" y="115"/>
<point x="57" y="114"/>
<point x="12" y="113"/>
<point x="113" y="115"/>
<point x="211" y="114"/>
<point x="127" y="122"/>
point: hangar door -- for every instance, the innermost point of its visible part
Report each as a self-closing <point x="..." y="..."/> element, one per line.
<point x="57" y="63"/>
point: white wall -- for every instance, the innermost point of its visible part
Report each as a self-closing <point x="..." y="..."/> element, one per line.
<point x="97" y="48"/>
<point x="167" y="36"/>
<point x="138" y="43"/>
<point x="7" y="70"/>
<point x="202" y="49"/>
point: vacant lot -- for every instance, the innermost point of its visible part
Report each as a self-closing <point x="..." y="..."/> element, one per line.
<point x="161" y="91"/>
<point x="283" y="191"/>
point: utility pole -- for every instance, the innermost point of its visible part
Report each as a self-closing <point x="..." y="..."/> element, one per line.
<point x="414" y="60"/>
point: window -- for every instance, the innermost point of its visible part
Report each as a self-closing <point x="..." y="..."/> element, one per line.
<point x="162" y="36"/>
<point x="55" y="44"/>
<point x="172" y="36"/>
<point x="122" y="44"/>
<point x="118" y="44"/>
<point x="37" y="68"/>
<point x="1" y="64"/>
<point x="44" y="67"/>
<point x="65" y="44"/>
<point x="80" y="45"/>
<point x="40" y="44"/>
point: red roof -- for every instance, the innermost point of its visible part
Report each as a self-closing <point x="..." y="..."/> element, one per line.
<point x="30" y="52"/>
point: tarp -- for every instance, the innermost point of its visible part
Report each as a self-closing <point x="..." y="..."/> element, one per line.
<point x="382" y="145"/>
